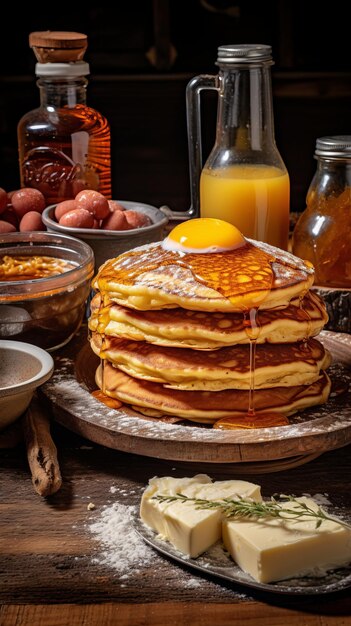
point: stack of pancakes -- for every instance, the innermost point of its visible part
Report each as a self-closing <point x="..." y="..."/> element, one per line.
<point x="173" y="332"/>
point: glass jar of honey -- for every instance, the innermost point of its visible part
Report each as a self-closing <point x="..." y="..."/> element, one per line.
<point x="323" y="232"/>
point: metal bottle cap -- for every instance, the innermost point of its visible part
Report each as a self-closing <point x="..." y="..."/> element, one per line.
<point x="338" y="146"/>
<point x="244" y="53"/>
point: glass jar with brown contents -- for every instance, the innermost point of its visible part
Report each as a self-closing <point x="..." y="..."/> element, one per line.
<point x="64" y="145"/>
<point x="323" y="232"/>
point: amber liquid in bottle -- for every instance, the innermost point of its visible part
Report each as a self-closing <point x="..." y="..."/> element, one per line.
<point x="322" y="234"/>
<point x="64" y="146"/>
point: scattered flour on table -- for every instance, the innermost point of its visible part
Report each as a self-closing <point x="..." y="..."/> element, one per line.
<point x="123" y="549"/>
<point x="321" y="498"/>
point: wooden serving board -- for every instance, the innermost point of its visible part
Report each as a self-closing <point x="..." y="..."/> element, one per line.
<point x="311" y="432"/>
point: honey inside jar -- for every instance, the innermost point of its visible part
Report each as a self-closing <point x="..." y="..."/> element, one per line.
<point x="322" y="235"/>
<point x="322" y="232"/>
<point x="25" y="267"/>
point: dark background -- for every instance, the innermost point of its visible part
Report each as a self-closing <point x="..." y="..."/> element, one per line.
<point x="142" y="53"/>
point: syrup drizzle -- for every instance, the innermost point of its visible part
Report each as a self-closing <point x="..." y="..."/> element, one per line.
<point x="241" y="274"/>
<point x="112" y="403"/>
<point x="252" y="330"/>
<point x="252" y="419"/>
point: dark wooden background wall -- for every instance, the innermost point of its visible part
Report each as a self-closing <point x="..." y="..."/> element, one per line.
<point x="142" y="54"/>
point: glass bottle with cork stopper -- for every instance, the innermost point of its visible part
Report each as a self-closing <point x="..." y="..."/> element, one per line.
<point x="244" y="180"/>
<point x="64" y="145"/>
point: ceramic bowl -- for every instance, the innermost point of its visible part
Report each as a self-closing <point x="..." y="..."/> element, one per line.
<point x="108" y="244"/>
<point x="44" y="311"/>
<point x="23" y="368"/>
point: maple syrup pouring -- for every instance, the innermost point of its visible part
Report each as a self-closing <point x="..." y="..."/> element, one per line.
<point x="252" y="330"/>
<point x="252" y="419"/>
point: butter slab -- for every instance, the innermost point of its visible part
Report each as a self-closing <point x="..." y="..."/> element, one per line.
<point x="152" y="511"/>
<point x="191" y="530"/>
<point x="272" y="549"/>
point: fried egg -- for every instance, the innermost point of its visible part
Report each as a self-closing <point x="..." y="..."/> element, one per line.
<point x="204" y="235"/>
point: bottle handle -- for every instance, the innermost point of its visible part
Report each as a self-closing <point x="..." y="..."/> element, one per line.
<point x="193" y="115"/>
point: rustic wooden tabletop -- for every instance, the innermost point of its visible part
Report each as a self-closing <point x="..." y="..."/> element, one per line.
<point x="59" y="565"/>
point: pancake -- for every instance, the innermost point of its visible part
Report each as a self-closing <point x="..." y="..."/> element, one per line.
<point x="255" y="275"/>
<point x="206" y="406"/>
<point x="276" y="365"/>
<point x="207" y="331"/>
<point x="188" y="326"/>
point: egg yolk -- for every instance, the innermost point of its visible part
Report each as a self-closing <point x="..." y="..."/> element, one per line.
<point x="204" y="235"/>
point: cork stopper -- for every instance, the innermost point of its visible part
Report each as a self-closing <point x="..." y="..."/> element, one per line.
<point x="58" y="46"/>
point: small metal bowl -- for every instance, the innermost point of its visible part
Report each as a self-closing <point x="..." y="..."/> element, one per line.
<point x="23" y="368"/>
<point x="108" y="244"/>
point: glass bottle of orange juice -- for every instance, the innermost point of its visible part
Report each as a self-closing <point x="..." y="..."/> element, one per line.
<point x="244" y="180"/>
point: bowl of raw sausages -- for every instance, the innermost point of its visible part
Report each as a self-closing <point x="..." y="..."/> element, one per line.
<point x="110" y="227"/>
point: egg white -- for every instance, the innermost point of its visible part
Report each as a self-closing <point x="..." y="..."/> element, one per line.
<point x="176" y="246"/>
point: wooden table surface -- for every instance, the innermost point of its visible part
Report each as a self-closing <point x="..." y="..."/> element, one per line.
<point x="50" y="574"/>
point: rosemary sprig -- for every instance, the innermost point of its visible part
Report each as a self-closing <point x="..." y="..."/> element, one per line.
<point x="246" y="508"/>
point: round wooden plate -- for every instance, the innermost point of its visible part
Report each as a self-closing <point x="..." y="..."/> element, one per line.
<point x="310" y="433"/>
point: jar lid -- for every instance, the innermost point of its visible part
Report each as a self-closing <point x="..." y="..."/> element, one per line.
<point x="337" y="146"/>
<point x="244" y="53"/>
<point x="52" y="46"/>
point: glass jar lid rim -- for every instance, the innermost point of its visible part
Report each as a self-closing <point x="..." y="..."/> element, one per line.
<point x="334" y="146"/>
<point x="244" y="53"/>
